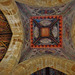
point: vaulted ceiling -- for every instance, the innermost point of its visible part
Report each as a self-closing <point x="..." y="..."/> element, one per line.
<point x="48" y="43"/>
<point x="47" y="34"/>
<point x="48" y="28"/>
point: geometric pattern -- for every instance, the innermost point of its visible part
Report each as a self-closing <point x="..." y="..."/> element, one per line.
<point x="46" y="31"/>
<point x="30" y="50"/>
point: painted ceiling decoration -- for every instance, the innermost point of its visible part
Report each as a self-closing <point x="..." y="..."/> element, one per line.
<point x="45" y="33"/>
<point x="42" y="30"/>
<point x="5" y="35"/>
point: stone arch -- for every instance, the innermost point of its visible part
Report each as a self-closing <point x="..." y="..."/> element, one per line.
<point x="34" y="64"/>
<point x="44" y="3"/>
<point x="10" y="10"/>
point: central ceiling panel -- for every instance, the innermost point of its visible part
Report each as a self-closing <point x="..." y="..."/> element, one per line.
<point x="49" y="35"/>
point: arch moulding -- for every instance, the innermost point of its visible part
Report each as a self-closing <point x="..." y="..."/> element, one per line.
<point x="11" y="12"/>
<point x="37" y="63"/>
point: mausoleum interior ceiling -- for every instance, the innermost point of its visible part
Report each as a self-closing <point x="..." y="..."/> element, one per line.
<point x="51" y="29"/>
<point x="44" y="34"/>
<point x="43" y="40"/>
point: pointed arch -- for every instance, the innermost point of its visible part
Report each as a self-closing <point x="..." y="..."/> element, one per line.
<point x="11" y="12"/>
<point x="37" y="63"/>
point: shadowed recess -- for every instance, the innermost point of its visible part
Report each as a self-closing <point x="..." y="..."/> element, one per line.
<point x="48" y="71"/>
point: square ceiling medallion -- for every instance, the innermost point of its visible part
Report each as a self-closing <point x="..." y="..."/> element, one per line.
<point x="46" y="31"/>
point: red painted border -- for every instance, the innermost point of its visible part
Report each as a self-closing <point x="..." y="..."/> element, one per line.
<point x="60" y="32"/>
